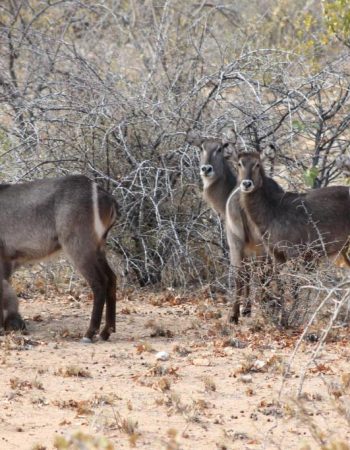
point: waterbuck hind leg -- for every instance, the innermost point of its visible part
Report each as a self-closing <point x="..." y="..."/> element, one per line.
<point x="98" y="282"/>
<point x="110" y="299"/>
<point x="91" y="268"/>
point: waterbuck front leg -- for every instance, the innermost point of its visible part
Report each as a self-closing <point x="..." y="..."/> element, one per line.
<point x="245" y="276"/>
<point x="12" y="318"/>
<point x="234" y="314"/>
<point x="242" y="297"/>
<point x="241" y="279"/>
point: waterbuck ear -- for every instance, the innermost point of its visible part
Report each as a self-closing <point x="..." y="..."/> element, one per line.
<point x="233" y="156"/>
<point x="229" y="135"/>
<point x="342" y="163"/>
<point x="228" y="150"/>
<point x="194" y="138"/>
<point x="268" y="153"/>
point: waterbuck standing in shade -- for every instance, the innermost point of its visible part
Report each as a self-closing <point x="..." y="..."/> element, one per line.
<point x="219" y="191"/>
<point x="291" y="222"/>
<point x="72" y="214"/>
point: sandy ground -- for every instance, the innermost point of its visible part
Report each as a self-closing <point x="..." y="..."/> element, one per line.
<point x="219" y="389"/>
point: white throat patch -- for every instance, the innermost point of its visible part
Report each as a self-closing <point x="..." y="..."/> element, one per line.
<point x="207" y="181"/>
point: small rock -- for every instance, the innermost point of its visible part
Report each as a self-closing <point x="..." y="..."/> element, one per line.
<point x="162" y="356"/>
<point x="246" y="378"/>
<point x="259" y="364"/>
<point x="236" y="343"/>
<point x="201" y="362"/>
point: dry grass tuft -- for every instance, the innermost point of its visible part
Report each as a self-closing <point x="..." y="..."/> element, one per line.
<point x="190" y="411"/>
<point x="79" y="440"/>
<point x="73" y="371"/>
<point x="158" y="329"/>
<point x="20" y="385"/>
<point x="209" y="384"/>
<point x="143" y="347"/>
<point x="163" y="384"/>
<point x="82" y="407"/>
<point x="128" y="426"/>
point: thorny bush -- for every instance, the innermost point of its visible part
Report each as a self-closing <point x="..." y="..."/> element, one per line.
<point x="111" y="89"/>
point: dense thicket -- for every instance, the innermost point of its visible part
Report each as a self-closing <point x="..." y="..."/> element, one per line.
<point x="110" y="89"/>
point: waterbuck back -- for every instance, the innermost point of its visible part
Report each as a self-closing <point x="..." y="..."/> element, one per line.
<point x="69" y="213"/>
<point x="317" y="221"/>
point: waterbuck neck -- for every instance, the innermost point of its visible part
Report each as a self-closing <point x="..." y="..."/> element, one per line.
<point x="218" y="192"/>
<point x="260" y="204"/>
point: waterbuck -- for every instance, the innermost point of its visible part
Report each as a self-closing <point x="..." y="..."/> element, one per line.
<point x="218" y="178"/>
<point x="71" y="214"/>
<point x="220" y="192"/>
<point x="291" y="222"/>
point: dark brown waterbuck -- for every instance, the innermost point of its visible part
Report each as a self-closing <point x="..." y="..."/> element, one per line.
<point x="72" y="214"/>
<point x="289" y="222"/>
<point x="221" y="193"/>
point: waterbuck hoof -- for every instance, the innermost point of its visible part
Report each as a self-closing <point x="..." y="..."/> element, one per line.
<point x="104" y="335"/>
<point x="232" y="318"/>
<point x="246" y="312"/>
<point x="86" y="340"/>
<point x="14" y="322"/>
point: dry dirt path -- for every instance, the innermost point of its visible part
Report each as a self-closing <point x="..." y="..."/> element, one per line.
<point x="209" y="394"/>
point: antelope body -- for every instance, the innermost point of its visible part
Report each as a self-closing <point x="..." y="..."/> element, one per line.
<point x="219" y="191"/>
<point x="72" y="214"/>
<point x="290" y="222"/>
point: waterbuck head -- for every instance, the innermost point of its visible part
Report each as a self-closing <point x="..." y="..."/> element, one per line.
<point x="250" y="170"/>
<point x="213" y="155"/>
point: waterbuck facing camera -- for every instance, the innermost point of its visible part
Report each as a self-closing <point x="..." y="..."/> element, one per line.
<point x="215" y="171"/>
<point x="71" y="214"/>
<point x="221" y="193"/>
<point x="290" y="221"/>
